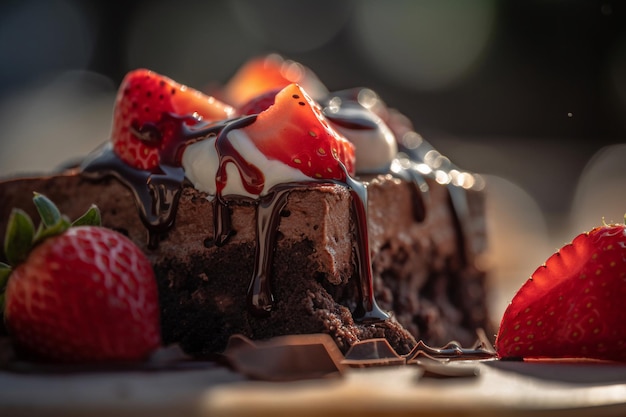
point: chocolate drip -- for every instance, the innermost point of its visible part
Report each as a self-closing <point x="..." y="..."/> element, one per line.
<point x="351" y="116"/>
<point x="222" y="226"/>
<point x="156" y="193"/>
<point x="367" y="310"/>
<point x="252" y="178"/>
<point x="260" y="297"/>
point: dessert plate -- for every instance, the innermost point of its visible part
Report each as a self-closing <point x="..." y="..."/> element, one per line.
<point x="491" y="388"/>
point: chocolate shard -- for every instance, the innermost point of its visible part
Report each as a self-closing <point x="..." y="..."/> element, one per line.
<point x="437" y="368"/>
<point x="372" y="352"/>
<point x="285" y="358"/>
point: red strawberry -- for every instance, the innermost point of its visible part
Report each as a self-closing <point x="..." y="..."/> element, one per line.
<point x="259" y="103"/>
<point x="295" y="131"/>
<point x="82" y="294"/>
<point x="143" y="97"/>
<point x="263" y="74"/>
<point x="572" y="307"/>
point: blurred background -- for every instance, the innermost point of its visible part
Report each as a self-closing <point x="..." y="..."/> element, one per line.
<point x="531" y="93"/>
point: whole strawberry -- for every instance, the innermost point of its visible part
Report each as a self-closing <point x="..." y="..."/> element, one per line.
<point x="573" y="305"/>
<point x="77" y="294"/>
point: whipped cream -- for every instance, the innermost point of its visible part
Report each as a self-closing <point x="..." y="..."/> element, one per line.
<point x="201" y="162"/>
<point x="375" y="148"/>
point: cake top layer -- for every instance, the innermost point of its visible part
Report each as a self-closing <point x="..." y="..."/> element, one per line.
<point x="262" y="136"/>
<point x="272" y="131"/>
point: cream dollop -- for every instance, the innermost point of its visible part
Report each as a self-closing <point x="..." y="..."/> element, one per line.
<point x="201" y="162"/>
<point x="375" y="148"/>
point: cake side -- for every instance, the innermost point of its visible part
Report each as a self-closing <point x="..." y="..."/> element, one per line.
<point x="425" y="270"/>
<point x="420" y="273"/>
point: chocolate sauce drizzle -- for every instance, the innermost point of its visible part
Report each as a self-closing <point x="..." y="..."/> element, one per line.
<point x="450" y="352"/>
<point x="157" y="193"/>
<point x="376" y="352"/>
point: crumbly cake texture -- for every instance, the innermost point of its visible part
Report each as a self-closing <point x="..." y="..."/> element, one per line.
<point x="424" y="271"/>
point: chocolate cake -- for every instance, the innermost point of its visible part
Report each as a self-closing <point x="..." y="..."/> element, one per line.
<point x="388" y="252"/>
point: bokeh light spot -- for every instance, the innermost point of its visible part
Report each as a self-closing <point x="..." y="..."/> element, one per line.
<point x="424" y="45"/>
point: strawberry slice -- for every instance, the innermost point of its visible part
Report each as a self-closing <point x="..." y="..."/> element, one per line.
<point x="143" y="98"/>
<point x="294" y="130"/>
<point x="263" y="74"/>
<point x="259" y="103"/>
<point x="572" y="307"/>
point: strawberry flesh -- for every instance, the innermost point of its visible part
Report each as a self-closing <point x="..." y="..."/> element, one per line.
<point x="140" y="131"/>
<point x="572" y="306"/>
<point x="294" y="130"/>
<point x="259" y="103"/>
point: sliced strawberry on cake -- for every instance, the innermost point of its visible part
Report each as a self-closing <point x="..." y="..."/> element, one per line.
<point x="572" y="306"/>
<point x="142" y="100"/>
<point x="289" y="141"/>
<point x="294" y="130"/>
<point x="259" y="103"/>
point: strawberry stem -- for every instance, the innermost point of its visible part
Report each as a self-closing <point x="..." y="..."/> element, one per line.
<point x="21" y="236"/>
<point x="44" y="231"/>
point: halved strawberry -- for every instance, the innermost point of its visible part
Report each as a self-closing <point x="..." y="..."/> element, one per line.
<point x="143" y="97"/>
<point x="263" y="74"/>
<point x="294" y="130"/>
<point x="573" y="306"/>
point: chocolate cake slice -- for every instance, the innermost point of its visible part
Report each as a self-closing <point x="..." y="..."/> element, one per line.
<point x="274" y="247"/>
<point x="421" y="272"/>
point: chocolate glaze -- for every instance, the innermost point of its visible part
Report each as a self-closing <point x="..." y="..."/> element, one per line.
<point x="157" y="192"/>
<point x="367" y="309"/>
<point x="343" y="108"/>
<point x="260" y="297"/>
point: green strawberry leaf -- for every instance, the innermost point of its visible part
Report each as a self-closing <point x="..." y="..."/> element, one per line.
<point x="90" y="218"/>
<point x="49" y="212"/>
<point x="5" y="271"/>
<point x="19" y="236"/>
<point x="44" y="231"/>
